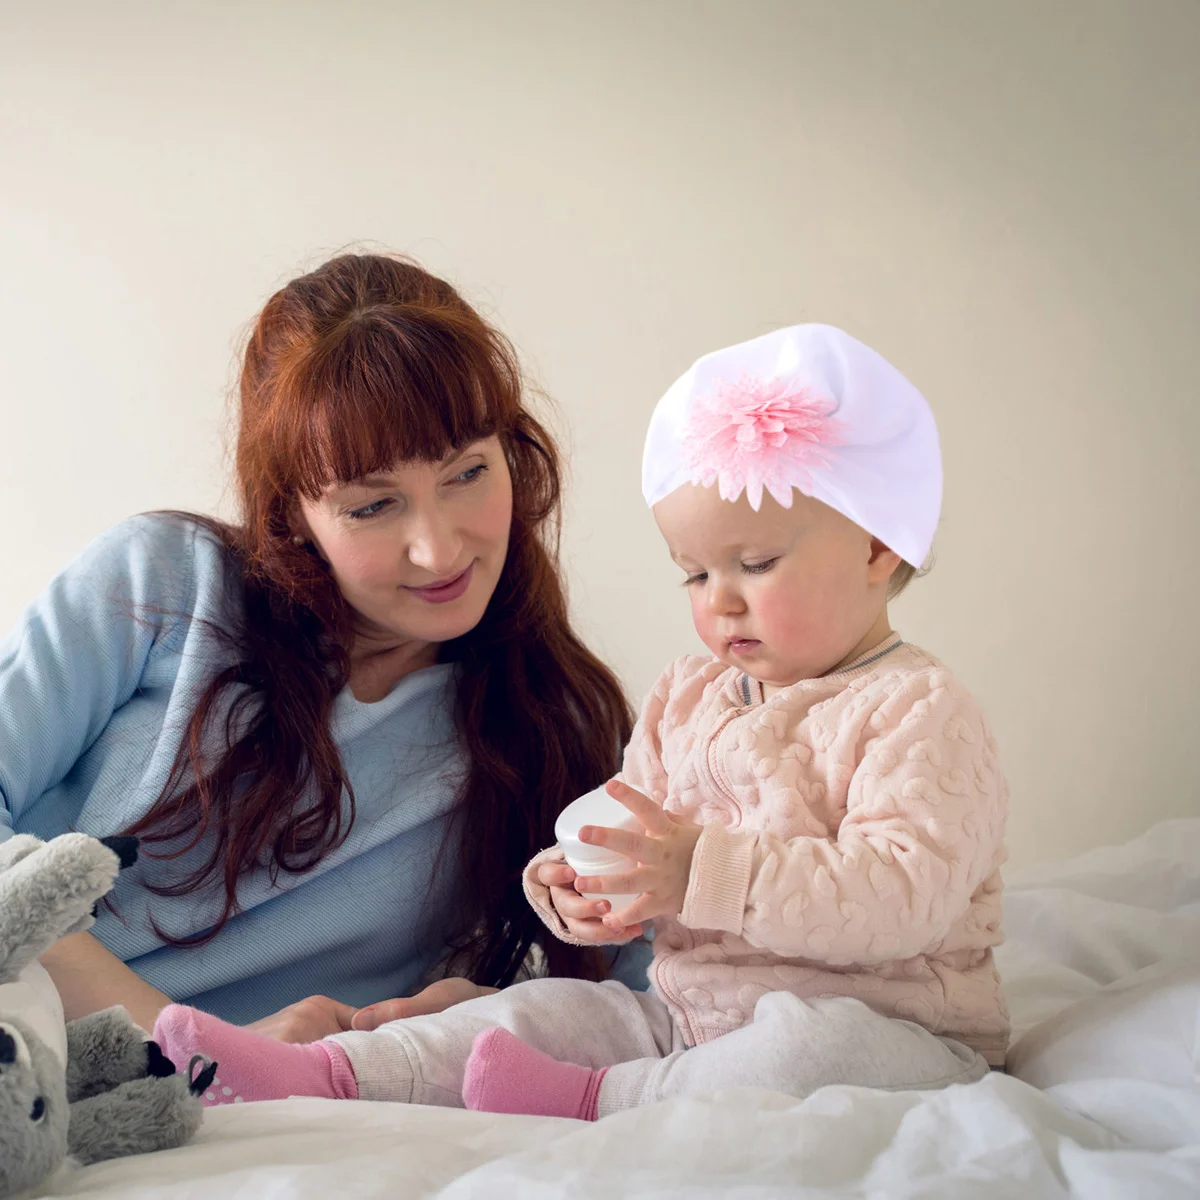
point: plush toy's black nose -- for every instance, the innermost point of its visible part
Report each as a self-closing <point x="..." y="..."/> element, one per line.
<point x="8" y="1048"/>
<point x="125" y="848"/>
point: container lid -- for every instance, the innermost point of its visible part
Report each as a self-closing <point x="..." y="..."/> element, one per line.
<point x="595" y="808"/>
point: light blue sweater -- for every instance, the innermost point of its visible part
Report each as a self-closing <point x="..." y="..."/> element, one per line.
<point x="96" y="684"/>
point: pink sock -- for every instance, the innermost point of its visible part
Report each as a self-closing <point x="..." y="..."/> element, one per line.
<point x="250" y="1066"/>
<point x="505" y="1075"/>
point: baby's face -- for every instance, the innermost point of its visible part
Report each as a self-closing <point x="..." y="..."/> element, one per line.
<point x="782" y="594"/>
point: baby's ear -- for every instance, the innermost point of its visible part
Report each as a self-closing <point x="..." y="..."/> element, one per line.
<point x="883" y="562"/>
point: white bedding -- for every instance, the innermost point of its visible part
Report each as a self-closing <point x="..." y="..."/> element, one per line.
<point x="1102" y="969"/>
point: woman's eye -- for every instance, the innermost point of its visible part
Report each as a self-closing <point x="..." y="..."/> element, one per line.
<point x="759" y="568"/>
<point x="368" y="510"/>
<point x="471" y="473"/>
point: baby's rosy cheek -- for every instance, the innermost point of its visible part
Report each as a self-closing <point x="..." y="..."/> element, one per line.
<point x="788" y="624"/>
<point x="780" y="613"/>
<point x="706" y="628"/>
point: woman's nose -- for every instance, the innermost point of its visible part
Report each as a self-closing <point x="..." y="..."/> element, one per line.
<point x="435" y="546"/>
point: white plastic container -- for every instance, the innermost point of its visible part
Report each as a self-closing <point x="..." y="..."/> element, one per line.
<point x="596" y="808"/>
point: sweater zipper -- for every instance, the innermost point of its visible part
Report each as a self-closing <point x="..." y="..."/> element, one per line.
<point x="664" y="977"/>
<point x="720" y="783"/>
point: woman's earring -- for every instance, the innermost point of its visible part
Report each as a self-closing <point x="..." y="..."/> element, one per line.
<point x="297" y="540"/>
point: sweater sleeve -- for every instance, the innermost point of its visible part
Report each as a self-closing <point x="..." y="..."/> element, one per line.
<point x="79" y="651"/>
<point x="642" y="768"/>
<point x="923" y="829"/>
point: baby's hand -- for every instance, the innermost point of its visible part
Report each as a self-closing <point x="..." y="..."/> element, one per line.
<point x="663" y="854"/>
<point x="581" y="915"/>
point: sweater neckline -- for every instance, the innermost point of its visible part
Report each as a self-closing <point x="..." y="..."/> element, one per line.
<point x="752" y="690"/>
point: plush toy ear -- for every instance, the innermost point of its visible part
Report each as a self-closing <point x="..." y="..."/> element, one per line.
<point x="125" y="848"/>
<point x="17" y="847"/>
<point x="48" y="893"/>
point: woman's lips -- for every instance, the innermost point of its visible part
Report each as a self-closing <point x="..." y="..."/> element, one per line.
<point x="446" y="590"/>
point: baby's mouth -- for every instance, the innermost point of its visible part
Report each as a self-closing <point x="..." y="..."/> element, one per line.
<point x="743" y="645"/>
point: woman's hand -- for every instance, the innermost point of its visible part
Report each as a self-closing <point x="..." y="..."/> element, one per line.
<point x="442" y="994"/>
<point x="307" y="1020"/>
<point x="316" y="1017"/>
<point x="663" y="854"/>
<point x="582" y="916"/>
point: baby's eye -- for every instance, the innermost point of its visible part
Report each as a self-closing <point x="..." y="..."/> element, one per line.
<point x="759" y="568"/>
<point x="698" y="577"/>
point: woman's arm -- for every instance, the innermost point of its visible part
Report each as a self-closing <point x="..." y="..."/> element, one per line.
<point x="90" y="977"/>
<point x="76" y="656"/>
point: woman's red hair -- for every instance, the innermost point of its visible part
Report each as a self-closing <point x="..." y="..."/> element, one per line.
<point x="366" y="362"/>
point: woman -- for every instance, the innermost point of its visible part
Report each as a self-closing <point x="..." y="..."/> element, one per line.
<point x="342" y="726"/>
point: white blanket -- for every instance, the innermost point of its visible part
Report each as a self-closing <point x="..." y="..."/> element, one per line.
<point x="1102" y="969"/>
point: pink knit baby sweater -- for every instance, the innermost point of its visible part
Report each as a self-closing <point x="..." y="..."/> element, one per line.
<point x="853" y="835"/>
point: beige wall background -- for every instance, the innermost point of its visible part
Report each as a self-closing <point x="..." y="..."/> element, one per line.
<point x="1001" y="198"/>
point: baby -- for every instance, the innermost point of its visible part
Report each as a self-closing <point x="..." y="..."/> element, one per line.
<point x="821" y="808"/>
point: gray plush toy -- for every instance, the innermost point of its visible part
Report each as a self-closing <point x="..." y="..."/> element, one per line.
<point x="90" y="1089"/>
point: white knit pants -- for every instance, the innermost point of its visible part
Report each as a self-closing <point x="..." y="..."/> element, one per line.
<point x="793" y="1046"/>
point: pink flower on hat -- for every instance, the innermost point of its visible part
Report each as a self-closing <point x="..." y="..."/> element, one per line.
<point x="759" y="433"/>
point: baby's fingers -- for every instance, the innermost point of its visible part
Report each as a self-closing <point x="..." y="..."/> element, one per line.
<point x="555" y="874"/>
<point x="622" y="933"/>
<point x="596" y="933"/>
<point x="570" y="905"/>
<point x="627" y="881"/>
<point x="623" y="841"/>
<point x="644" y="908"/>
<point x="653" y="818"/>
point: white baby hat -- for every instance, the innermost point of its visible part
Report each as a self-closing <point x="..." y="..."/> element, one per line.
<point x="806" y="407"/>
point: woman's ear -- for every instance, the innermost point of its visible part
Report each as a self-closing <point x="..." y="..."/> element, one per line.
<point x="882" y="563"/>
<point x="298" y="526"/>
<point x="301" y="532"/>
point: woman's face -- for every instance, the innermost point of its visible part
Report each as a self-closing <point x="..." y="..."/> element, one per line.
<point x="417" y="551"/>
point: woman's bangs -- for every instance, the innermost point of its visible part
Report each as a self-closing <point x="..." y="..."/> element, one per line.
<point x="380" y="392"/>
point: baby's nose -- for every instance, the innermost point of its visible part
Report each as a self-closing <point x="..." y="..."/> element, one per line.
<point x="725" y="599"/>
